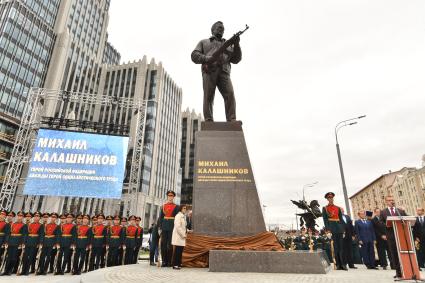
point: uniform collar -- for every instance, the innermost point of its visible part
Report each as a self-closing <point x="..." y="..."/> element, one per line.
<point x="212" y="38"/>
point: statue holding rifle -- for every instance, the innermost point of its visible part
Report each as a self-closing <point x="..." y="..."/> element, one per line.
<point x="215" y="54"/>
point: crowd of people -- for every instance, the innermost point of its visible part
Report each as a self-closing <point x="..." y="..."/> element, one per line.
<point x="367" y="240"/>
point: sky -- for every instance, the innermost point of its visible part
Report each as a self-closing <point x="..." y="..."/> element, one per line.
<point x="306" y="65"/>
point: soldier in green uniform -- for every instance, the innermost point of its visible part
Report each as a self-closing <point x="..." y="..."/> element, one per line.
<point x="15" y="240"/>
<point x="165" y="227"/>
<point x="4" y="230"/>
<point x="32" y="244"/>
<point x="130" y="240"/>
<point x="139" y="239"/>
<point x="98" y="242"/>
<point x="301" y="241"/>
<point x="332" y="217"/>
<point x="50" y="239"/>
<point x="121" y="248"/>
<point x="114" y="242"/>
<point x="82" y="244"/>
<point x="68" y="234"/>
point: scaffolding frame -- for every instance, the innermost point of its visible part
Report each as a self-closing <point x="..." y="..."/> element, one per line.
<point x="31" y="120"/>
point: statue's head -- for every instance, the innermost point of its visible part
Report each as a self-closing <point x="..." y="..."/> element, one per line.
<point x="217" y="29"/>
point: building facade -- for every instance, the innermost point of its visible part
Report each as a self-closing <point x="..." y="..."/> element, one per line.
<point x="407" y="185"/>
<point x="191" y="123"/>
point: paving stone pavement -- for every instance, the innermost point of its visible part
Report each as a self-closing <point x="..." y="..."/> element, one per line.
<point x="142" y="272"/>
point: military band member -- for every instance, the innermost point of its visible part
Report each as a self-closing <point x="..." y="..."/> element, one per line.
<point x="166" y="226"/>
<point x="49" y="241"/>
<point x="84" y="235"/>
<point x="332" y="217"/>
<point x="98" y="242"/>
<point x="115" y="242"/>
<point x="32" y="244"/>
<point x="4" y="230"/>
<point x="15" y="240"/>
<point x="67" y="237"/>
<point x="130" y="240"/>
<point x="139" y="239"/>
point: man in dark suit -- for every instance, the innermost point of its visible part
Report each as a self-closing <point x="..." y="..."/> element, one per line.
<point x="381" y="243"/>
<point x="419" y="233"/>
<point x="349" y="236"/>
<point x="366" y="235"/>
<point x="391" y="210"/>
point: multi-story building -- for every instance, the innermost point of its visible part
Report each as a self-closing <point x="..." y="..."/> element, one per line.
<point x="191" y="123"/>
<point x="160" y="164"/>
<point x="406" y="185"/>
<point x="27" y="38"/>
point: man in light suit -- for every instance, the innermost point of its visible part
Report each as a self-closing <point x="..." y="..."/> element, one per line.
<point x="391" y="210"/>
<point x="419" y="233"/>
<point x="366" y="236"/>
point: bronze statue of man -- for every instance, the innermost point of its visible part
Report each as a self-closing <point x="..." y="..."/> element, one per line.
<point x="216" y="71"/>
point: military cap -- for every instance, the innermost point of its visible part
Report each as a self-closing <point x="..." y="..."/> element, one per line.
<point x="109" y="217"/>
<point x="79" y="216"/>
<point x="11" y="214"/>
<point x="54" y="214"/>
<point x="124" y="219"/>
<point x="69" y="215"/>
<point x="94" y="217"/>
<point x="46" y="214"/>
<point x="20" y="213"/>
<point x="37" y="213"/>
<point x="329" y="194"/>
<point x="86" y="216"/>
<point x="63" y="216"/>
<point x="28" y="214"/>
<point x="132" y="217"/>
<point x="116" y="217"/>
<point x="100" y="215"/>
<point x="171" y="192"/>
<point x="4" y="212"/>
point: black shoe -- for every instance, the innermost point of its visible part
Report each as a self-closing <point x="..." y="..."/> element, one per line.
<point x="384" y="268"/>
<point x="177" y="267"/>
<point x="5" y="274"/>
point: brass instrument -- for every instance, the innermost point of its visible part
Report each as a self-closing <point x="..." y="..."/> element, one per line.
<point x="311" y="244"/>
<point x="333" y="254"/>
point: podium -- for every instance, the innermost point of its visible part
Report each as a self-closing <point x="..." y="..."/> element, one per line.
<point x="402" y="226"/>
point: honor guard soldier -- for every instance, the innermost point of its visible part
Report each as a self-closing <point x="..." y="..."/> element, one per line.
<point x="15" y="240"/>
<point x="121" y="249"/>
<point x="114" y="242"/>
<point x="332" y="217"/>
<point x="68" y="234"/>
<point x="139" y="239"/>
<point x="4" y="230"/>
<point x="49" y="241"/>
<point x="301" y="241"/>
<point x="32" y="244"/>
<point x="130" y="240"/>
<point x="98" y="242"/>
<point x="28" y="217"/>
<point x="79" y="220"/>
<point x="166" y="226"/>
<point x="82" y="244"/>
<point x="104" y="257"/>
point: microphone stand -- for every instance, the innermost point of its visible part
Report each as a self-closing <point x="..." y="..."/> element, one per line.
<point x="403" y="223"/>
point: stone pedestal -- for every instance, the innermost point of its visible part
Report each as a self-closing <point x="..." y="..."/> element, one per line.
<point x="225" y="198"/>
<point x="304" y="262"/>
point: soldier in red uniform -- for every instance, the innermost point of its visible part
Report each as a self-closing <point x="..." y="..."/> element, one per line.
<point x="4" y="230"/>
<point x="67" y="243"/>
<point x="49" y="240"/>
<point x="166" y="226"/>
<point x="130" y="240"/>
<point x="98" y="242"/>
<point x="84" y="235"/>
<point x="114" y="242"/>
<point x="139" y="239"/>
<point x="121" y="248"/>
<point x="15" y="240"/>
<point x="32" y="244"/>
<point x="332" y="218"/>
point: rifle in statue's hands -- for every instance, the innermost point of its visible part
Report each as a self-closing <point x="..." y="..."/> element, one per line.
<point x="216" y="55"/>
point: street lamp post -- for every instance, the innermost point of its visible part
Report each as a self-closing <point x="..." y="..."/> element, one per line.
<point x="338" y="126"/>
<point x="308" y="186"/>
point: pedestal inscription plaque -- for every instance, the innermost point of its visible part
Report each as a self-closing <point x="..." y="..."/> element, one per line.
<point x="225" y="198"/>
